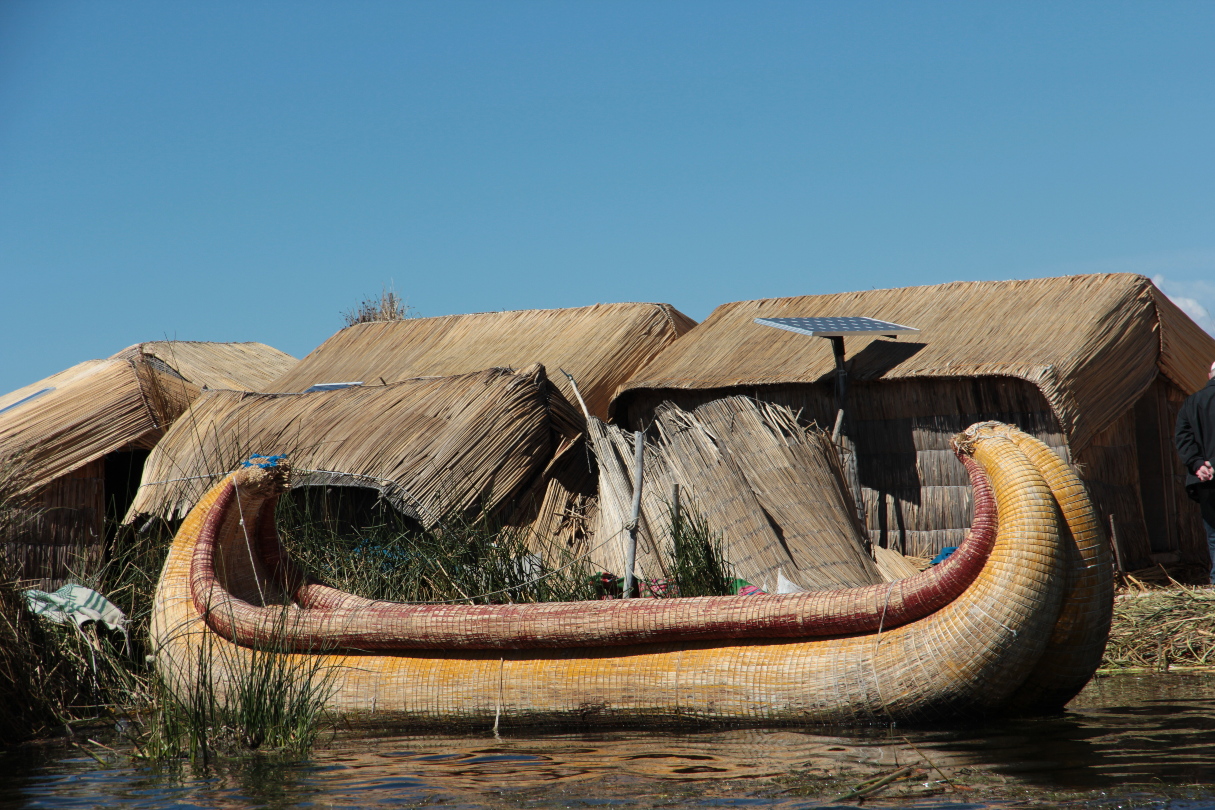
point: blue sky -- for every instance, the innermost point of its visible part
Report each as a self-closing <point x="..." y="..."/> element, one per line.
<point x="247" y="171"/>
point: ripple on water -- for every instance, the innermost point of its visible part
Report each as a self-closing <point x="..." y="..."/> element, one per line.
<point x="1126" y="741"/>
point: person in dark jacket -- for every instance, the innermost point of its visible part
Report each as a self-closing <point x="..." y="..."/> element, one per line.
<point x="1196" y="445"/>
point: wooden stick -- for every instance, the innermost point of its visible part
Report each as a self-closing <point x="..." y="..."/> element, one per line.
<point x="630" y="551"/>
<point x="577" y="393"/>
<point x="1117" y="551"/>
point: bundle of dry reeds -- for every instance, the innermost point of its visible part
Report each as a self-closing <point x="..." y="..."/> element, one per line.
<point x="770" y="486"/>
<point x="1159" y="629"/>
<point x="1091" y="366"/>
<point x="1011" y="622"/>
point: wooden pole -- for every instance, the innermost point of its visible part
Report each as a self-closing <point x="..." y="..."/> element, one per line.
<point x="676" y="512"/>
<point x="630" y="550"/>
<point x="841" y="386"/>
<point x="1114" y="542"/>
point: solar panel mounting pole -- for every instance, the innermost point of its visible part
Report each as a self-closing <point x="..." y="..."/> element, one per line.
<point x="834" y="329"/>
<point x="841" y="385"/>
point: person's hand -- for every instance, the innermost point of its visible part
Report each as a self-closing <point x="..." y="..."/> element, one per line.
<point x="1206" y="472"/>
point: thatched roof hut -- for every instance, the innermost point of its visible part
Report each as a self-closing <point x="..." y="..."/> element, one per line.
<point x="430" y="446"/>
<point x="1094" y="365"/>
<point x="74" y="441"/>
<point x="601" y="345"/>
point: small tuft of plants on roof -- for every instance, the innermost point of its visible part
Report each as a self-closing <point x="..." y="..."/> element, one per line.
<point x="388" y="306"/>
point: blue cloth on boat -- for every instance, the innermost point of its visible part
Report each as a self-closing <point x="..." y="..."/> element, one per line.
<point x="264" y="462"/>
<point x="943" y="554"/>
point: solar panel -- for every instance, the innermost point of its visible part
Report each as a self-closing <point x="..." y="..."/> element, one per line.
<point x="838" y="327"/>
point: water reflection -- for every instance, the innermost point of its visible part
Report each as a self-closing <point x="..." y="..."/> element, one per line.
<point x="1126" y="740"/>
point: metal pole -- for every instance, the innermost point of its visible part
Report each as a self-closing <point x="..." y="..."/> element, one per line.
<point x="630" y="550"/>
<point x="841" y="386"/>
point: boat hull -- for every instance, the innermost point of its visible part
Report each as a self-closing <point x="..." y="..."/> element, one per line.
<point x="969" y="658"/>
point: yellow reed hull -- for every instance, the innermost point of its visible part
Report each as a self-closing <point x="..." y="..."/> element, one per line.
<point x="966" y="660"/>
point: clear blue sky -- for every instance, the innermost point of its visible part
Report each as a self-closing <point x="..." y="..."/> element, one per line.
<point x="248" y="170"/>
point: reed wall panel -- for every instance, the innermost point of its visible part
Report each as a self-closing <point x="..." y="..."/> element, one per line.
<point x="1110" y="469"/>
<point x="910" y="481"/>
<point x="62" y="539"/>
<point x="773" y="488"/>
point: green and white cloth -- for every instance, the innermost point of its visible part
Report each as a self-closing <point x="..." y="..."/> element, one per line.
<point x="78" y="604"/>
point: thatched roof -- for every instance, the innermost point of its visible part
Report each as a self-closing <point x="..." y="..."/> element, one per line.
<point x="126" y="401"/>
<point x="429" y="445"/>
<point x="601" y="345"/>
<point x="237" y="366"/>
<point x="1092" y="344"/>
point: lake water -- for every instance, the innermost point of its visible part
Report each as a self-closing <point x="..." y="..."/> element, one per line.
<point x="1127" y="741"/>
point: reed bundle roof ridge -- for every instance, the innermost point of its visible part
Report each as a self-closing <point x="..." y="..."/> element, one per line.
<point x="1091" y="343"/>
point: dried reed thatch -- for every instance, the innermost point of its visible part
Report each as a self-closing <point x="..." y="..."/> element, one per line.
<point x="1161" y="629"/>
<point x="65" y="426"/>
<point x="1091" y="344"/>
<point x="600" y="345"/>
<point x="430" y="445"/>
<point x="771" y="487"/>
<point x="1095" y="366"/>
<point x="235" y="366"/>
<point x="127" y="400"/>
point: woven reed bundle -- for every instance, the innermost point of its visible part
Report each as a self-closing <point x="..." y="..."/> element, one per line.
<point x="429" y="445"/>
<point x="601" y="345"/>
<point x="771" y="487"/>
<point x="1078" y="641"/>
<point x="238" y="550"/>
<point x="125" y="401"/>
<point x="965" y="658"/>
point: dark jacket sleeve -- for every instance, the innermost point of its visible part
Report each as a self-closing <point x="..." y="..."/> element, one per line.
<point x="1188" y="445"/>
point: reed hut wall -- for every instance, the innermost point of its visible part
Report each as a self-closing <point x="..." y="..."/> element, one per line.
<point x="601" y="345"/>
<point x="1101" y="386"/>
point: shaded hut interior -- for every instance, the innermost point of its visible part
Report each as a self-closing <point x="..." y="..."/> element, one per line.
<point x="1102" y="387"/>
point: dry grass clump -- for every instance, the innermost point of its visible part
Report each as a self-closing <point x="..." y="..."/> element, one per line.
<point x="1159" y="629"/>
<point x="56" y="675"/>
<point x="387" y="307"/>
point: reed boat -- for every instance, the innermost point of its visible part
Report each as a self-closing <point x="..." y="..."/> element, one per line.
<point x="1015" y="621"/>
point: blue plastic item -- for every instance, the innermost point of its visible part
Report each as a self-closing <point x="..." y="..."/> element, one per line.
<point x="943" y="555"/>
